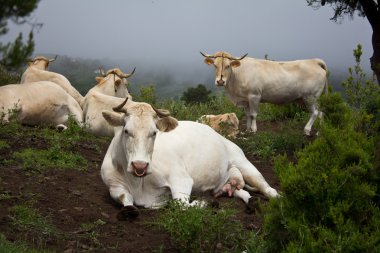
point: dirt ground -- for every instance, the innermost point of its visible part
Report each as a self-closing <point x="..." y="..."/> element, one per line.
<point x="70" y="198"/>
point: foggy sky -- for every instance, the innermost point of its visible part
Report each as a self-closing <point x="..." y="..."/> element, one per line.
<point x="172" y="32"/>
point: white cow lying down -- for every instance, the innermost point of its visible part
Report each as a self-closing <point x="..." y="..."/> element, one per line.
<point x="151" y="158"/>
<point x="38" y="103"/>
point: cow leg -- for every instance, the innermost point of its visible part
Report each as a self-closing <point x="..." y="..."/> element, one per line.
<point x="181" y="187"/>
<point x="253" y="110"/>
<point x="122" y="196"/>
<point x="314" y="113"/>
<point x="254" y="178"/>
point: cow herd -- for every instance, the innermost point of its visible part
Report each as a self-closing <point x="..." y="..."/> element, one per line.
<point x="152" y="156"/>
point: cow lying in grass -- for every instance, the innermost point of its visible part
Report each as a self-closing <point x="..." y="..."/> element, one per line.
<point x="39" y="103"/>
<point x="153" y="156"/>
<point x="226" y="124"/>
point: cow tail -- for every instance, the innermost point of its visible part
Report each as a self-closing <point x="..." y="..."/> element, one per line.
<point x="323" y="65"/>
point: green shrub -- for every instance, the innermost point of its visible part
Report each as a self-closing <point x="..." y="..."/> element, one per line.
<point x="328" y="197"/>
<point x="199" y="94"/>
<point x="196" y="229"/>
<point x="7" y="77"/>
<point x="147" y="95"/>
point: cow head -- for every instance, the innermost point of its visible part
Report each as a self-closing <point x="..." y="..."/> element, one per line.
<point x="40" y="62"/>
<point x="114" y="82"/>
<point x="223" y="63"/>
<point x="140" y="124"/>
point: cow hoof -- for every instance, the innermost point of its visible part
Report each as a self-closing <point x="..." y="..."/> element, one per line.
<point x="128" y="213"/>
<point x="61" y="127"/>
<point x="253" y="205"/>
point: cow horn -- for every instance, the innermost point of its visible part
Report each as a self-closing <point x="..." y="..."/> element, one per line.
<point x="120" y="108"/>
<point x="238" y="59"/>
<point x="161" y="112"/>
<point x="55" y="58"/>
<point x="207" y="55"/>
<point x="101" y="71"/>
<point x="128" y="75"/>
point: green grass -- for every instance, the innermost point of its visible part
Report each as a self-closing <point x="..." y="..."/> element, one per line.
<point x="17" y="247"/>
<point x="266" y="144"/>
<point x="3" y="144"/>
<point x="196" y="229"/>
<point x="27" y="218"/>
<point x="91" y="230"/>
<point x="33" y="159"/>
<point x="218" y="105"/>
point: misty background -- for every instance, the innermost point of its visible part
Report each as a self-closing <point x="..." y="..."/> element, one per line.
<point x="163" y="38"/>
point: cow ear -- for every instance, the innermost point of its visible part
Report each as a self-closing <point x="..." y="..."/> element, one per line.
<point x="209" y="61"/>
<point x="98" y="79"/>
<point x="114" y="118"/>
<point x="166" y="124"/>
<point x="235" y="63"/>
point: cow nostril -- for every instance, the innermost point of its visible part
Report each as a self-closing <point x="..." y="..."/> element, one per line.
<point x="220" y="81"/>
<point x="140" y="164"/>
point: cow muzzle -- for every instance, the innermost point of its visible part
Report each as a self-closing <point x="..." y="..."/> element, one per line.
<point x="220" y="82"/>
<point x="140" y="168"/>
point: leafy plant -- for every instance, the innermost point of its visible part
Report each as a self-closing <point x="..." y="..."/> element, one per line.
<point x="147" y="95"/>
<point x="197" y="229"/>
<point x="199" y="94"/>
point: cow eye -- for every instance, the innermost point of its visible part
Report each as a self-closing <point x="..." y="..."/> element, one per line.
<point x="154" y="134"/>
<point x="126" y="131"/>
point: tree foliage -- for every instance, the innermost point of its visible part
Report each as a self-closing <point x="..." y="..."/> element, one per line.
<point x="200" y="94"/>
<point x="14" y="54"/>
<point x="365" y="8"/>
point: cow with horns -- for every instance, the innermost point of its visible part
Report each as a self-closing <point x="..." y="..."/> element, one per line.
<point x="38" y="71"/>
<point x="110" y="91"/>
<point x="249" y="81"/>
<point x="153" y="157"/>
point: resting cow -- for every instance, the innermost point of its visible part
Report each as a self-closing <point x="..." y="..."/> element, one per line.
<point x="110" y="91"/>
<point x="249" y="81"/>
<point x="38" y="71"/>
<point x="153" y="156"/>
<point x="225" y="124"/>
<point x="38" y="103"/>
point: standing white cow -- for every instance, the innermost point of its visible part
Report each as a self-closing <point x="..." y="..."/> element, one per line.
<point x="110" y="91"/>
<point x="249" y="81"/>
<point x="38" y="71"/>
<point x="38" y="103"/>
<point x="153" y="156"/>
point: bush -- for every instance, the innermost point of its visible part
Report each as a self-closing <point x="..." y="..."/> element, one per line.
<point x="200" y="94"/>
<point x="147" y="95"/>
<point x="328" y="197"/>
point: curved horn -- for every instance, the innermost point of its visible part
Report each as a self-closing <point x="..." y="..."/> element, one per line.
<point x="161" y="112"/>
<point x="120" y="108"/>
<point x="130" y="74"/>
<point x="237" y="59"/>
<point x="207" y="55"/>
<point x="101" y="71"/>
<point x="55" y="58"/>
